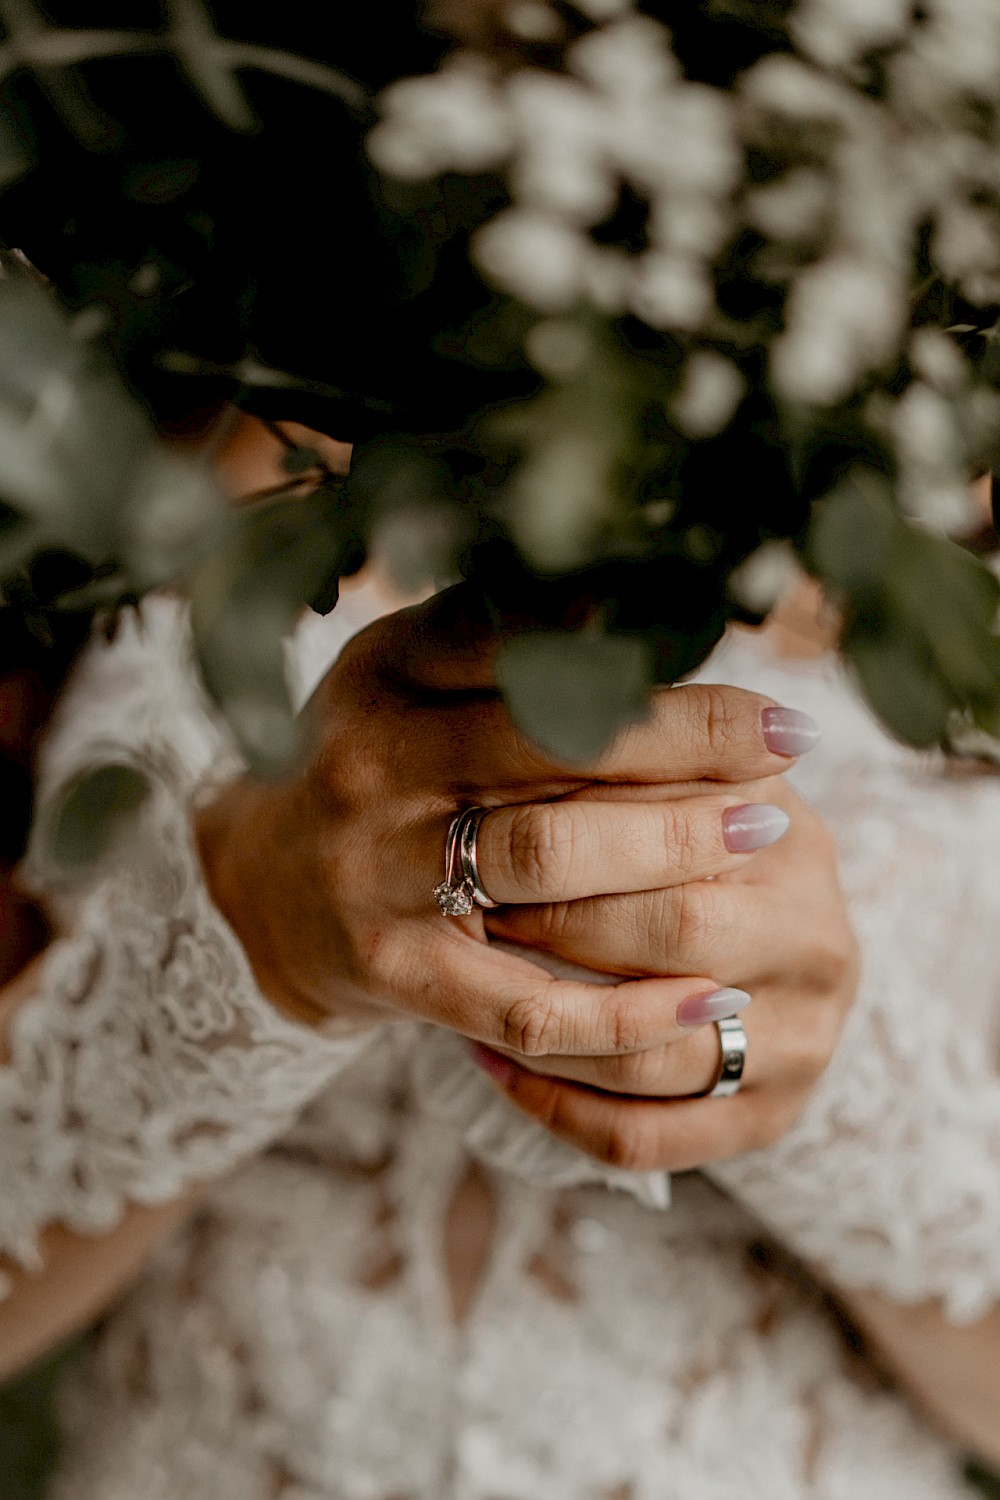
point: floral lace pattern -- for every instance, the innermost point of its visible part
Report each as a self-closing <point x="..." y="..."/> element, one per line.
<point x="891" y="1178"/>
<point x="147" y="1059"/>
<point x="364" y="1313"/>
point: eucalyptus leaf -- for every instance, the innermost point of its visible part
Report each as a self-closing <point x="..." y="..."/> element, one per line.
<point x="852" y="533"/>
<point x="245" y="598"/>
<point x="898" y="676"/>
<point x="572" y="693"/>
<point x="91" y="817"/>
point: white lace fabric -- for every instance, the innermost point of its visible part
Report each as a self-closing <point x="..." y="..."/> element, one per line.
<point x="891" y="1178"/>
<point x="147" y="1060"/>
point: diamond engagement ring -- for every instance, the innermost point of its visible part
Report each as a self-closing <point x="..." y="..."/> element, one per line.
<point x="732" y="1060"/>
<point x="462" y="890"/>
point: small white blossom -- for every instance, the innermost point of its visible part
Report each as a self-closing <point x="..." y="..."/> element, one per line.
<point x="628" y="59"/>
<point x="711" y="390"/>
<point x="669" y="292"/>
<point x="935" y="357"/>
<point x="561" y="162"/>
<point x="792" y="208"/>
<point x="682" y="141"/>
<point x="835" y="32"/>
<point x="843" y="317"/>
<point x="534" y="255"/>
<point x="534" y="21"/>
<point x="790" y="87"/>
<point x="454" y="120"/>
<point x="961" y="45"/>
<point x="689" y="224"/>
<point x="607" y="279"/>
<point x="760" y="581"/>
<point x="603" y="10"/>
<point x="924" y="427"/>
<point x="967" y="242"/>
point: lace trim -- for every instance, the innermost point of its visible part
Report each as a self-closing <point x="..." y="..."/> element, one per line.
<point x="890" y="1180"/>
<point x="147" y="1059"/>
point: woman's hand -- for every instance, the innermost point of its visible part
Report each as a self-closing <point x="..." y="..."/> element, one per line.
<point x="776" y="928"/>
<point x="327" y="879"/>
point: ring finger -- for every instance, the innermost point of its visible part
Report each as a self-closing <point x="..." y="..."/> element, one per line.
<point x="568" y="850"/>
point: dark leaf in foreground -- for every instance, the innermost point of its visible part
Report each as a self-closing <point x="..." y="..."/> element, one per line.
<point x="571" y="694"/>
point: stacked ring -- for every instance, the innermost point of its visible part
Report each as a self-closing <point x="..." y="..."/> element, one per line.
<point x="457" y="897"/>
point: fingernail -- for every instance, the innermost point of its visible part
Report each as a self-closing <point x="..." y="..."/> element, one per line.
<point x="492" y="1063"/>
<point x="752" y="826"/>
<point x="788" y="731"/>
<point x="698" y="1010"/>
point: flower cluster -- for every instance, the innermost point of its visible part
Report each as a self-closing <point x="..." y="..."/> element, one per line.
<point x="853" y="166"/>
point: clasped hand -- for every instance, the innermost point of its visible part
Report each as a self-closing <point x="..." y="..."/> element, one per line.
<point x="637" y="867"/>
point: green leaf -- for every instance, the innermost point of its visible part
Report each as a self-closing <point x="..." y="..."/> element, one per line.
<point x="899" y="678"/>
<point x="245" y="599"/>
<point x="852" y="533"/>
<point x="572" y="693"/>
<point x="92" y="815"/>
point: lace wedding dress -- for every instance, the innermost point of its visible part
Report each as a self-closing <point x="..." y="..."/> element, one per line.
<point x="411" y="1293"/>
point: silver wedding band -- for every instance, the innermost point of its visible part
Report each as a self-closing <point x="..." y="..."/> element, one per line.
<point x="732" y="1059"/>
<point x="462" y="888"/>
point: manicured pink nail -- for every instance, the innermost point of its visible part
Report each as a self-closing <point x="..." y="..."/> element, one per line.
<point x="491" y="1062"/>
<point x="717" y="1005"/>
<point x="788" y="731"/>
<point x="752" y="826"/>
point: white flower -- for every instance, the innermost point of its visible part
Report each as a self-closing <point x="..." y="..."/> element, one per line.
<point x="671" y="292"/>
<point x="835" y="32"/>
<point x="791" y="87"/>
<point x="935" y="357"/>
<point x="844" y="316"/>
<point x="711" y="389"/>
<point x="759" y="582"/>
<point x="628" y="59"/>
<point x="682" y="140"/>
<point x="533" y="255"/>
<point x="793" y="207"/>
<point x="688" y="223"/>
<point x="966" y="242"/>
<point x="561" y="162"/>
<point x="924" y="428"/>
<point x="961" y="45"/>
<point x="454" y="120"/>
<point x="603" y="10"/>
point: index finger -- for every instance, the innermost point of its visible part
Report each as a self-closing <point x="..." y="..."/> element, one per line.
<point x="694" y="732"/>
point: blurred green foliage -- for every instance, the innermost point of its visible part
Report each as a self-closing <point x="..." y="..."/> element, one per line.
<point x="612" y="484"/>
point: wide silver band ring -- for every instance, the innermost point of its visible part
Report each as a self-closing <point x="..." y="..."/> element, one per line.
<point x="462" y="889"/>
<point x="732" y="1060"/>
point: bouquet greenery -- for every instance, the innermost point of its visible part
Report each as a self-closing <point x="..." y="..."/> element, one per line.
<point x="626" y="307"/>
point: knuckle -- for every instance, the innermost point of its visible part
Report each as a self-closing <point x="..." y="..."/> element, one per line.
<point x="695" y="919"/>
<point x="531" y="1027"/>
<point x="721" y="720"/>
<point x="635" y="1072"/>
<point x="540" y="850"/>
<point x="625" y="1144"/>
<point x="681" y="840"/>
<point x="621" y="1025"/>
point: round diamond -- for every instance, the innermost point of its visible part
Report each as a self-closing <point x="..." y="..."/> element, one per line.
<point x="454" y="900"/>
